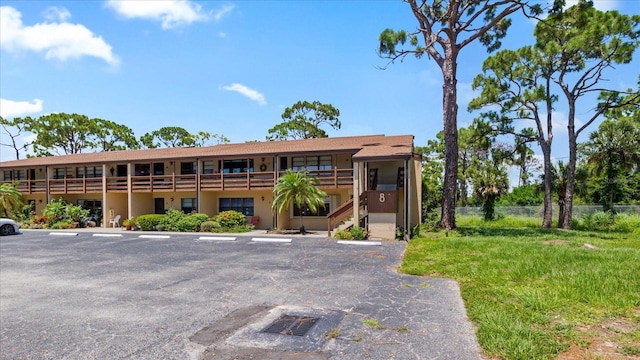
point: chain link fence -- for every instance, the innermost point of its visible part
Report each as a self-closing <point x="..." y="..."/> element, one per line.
<point x="536" y="211"/>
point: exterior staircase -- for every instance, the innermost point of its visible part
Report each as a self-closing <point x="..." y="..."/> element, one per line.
<point x="342" y="217"/>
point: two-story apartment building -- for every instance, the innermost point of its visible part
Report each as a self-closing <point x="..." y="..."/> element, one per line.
<point x="380" y="174"/>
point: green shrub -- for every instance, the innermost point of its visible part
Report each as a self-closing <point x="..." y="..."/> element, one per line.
<point x="600" y="221"/>
<point x="149" y="222"/>
<point x="230" y="219"/>
<point x="55" y="212"/>
<point x="238" y="229"/>
<point x="628" y="223"/>
<point x="191" y="223"/>
<point x="169" y="221"/>
<point x="607" y="221"/>
<point x="343" y="235"/>
<point x="59" y="211"/>
<point x="209" y="226"/>
<point x="61" y="225"/>
<point x="200" y="216"/>
<point x="358" y="233"/>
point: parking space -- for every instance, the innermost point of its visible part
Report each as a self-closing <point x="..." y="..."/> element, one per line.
<point x="188" y="296"/>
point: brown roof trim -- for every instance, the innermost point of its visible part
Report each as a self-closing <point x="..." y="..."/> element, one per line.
<point x="368" y="146"/>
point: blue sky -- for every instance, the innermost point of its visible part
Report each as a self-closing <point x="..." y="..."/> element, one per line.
<point x="230" y="68"/>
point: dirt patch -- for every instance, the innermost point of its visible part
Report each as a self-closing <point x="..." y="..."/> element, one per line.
<point x="607" y="340"/>
<point x="555" y="242"/>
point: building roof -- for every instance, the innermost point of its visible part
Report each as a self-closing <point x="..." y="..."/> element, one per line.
<point x="363" y="147"/>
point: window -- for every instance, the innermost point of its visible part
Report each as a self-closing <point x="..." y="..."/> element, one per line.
<point x="121" y="170"/>
<point x="207" y="167"/>
<point x="14" y="175"/>
<point x="188" y="205"/>
<point x="187" y="168"/>
<point x="237" y="166"/>
<point x="91" y="171"/>
<point x="283" y="163"/>
<point x="311" y="163"/>
<point x="158" y="168"/>
<point x="322" y="211"/>
<point x="243" y="205"/>
<point x="61" y="173"/>
<point x="94" y="207"/>
<point x="141" y="169"/>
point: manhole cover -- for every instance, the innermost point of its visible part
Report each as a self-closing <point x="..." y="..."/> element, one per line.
<point x="291" y="325"/>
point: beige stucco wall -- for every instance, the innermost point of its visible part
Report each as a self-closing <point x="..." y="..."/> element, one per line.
<point x="415" y="167"/>
<point x="210" y="204"/>
<point x="39" y="199"/>
<point x="343" y="161"/>
<point x="387" y="171"/>
<point x="115" y="204"/>
<point x="141" y="204"/>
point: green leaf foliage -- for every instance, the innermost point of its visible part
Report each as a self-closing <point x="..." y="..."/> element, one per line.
<point x="148" y="222"/>
<point x="298" y="188"/>
<point x="303" y="120"/>
<point x="11" y="200"/>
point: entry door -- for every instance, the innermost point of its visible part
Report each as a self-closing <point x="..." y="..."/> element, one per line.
<point x="159" y="205"/>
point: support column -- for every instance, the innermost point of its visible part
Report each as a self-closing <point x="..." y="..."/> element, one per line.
<point x="105" y="224"/>
<point x="357" y="189"/>
<point x="130" y="169"/>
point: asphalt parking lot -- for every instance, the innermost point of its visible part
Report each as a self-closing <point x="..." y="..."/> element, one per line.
<point x="117" y="295"/>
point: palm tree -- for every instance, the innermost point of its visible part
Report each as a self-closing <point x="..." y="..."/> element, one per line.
<point x="299" y="188"/>
<point x="10" y="199"/>
<point x="490" y="181"/>
<point x="613" y="151"/>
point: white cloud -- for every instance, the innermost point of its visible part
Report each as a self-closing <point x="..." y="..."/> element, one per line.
<point x="250" y="93"/>
<point x="219" y="14"/>
<point x="57" y="39"/>
<point x="57" y="14"/>
<point x="172" y="13"/>
<point x="10" y="109"/>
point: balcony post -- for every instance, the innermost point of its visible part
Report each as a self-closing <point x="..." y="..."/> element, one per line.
<point x="356" y="192"/>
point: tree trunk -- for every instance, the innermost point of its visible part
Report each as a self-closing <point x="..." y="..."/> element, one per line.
<point x="463" y="192"/>
<point x="547" y="205"/>
<point x="450" y="113"/>
<point x="561" y="207"/>
<point x="571" y="168"/>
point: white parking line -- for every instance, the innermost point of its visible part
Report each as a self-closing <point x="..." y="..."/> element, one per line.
<point x="108" y="235"/>
<point x="63" y="233"/>
<point x="217" y="238"/>
<point x="154" y="236"/>
<point x="370" y="243"/>
<point x="279" y="240"/>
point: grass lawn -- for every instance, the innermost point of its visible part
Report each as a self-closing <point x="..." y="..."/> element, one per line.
<point x="540" y="294"/>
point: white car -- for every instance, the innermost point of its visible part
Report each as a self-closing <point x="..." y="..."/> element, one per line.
<point x="9" y="227"/>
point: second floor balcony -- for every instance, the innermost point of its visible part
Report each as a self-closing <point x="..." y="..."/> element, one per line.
<point x="334" y="178"/>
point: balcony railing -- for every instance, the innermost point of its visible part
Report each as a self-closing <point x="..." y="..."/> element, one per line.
<point x="75" y="186"/>
<point x="30" y="186"/>
<point x="335" y="178"/>
<point x="167" y="183"/>
<point x="237" y="181"/>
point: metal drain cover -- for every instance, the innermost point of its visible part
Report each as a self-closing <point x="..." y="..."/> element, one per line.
<point x="291" y="325"/>
<point x="288" y="328"/>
